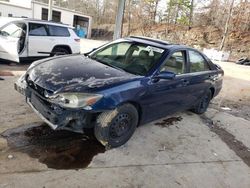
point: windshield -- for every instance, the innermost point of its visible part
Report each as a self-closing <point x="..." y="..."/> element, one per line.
<point x="135" y="58"/>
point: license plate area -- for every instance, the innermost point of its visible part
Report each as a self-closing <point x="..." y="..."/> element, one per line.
<point x="21" y="88"/>
<point x="42" y="108"/>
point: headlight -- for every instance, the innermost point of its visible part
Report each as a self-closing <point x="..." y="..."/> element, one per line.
<point x="75" y="100"/>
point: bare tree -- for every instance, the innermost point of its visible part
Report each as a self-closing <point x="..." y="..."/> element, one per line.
<point x="227" y="25"/>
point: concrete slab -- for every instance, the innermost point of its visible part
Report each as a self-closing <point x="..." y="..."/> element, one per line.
<point x="237" y="126"/>
<point x="206" y="175"/>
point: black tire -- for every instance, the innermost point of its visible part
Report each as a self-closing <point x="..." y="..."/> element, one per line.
<point x="114" y="128"/>
<point x="60" y="51"/>
<point x="203" y="104"/>
<point x="246" y="63"/>
<point x="242" y="61"/>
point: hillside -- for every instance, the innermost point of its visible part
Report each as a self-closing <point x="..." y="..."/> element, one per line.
<point x="237" y="43"/>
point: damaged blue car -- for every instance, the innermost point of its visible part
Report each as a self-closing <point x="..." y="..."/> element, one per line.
<point x="119" y="86"/>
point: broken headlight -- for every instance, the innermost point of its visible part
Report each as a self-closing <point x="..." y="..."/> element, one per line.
<point x="75" y="100"/>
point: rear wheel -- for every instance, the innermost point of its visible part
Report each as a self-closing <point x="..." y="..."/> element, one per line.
<point x="202" y="106"/>
<point x="114" y="128"/>
<point x="60" y="51"/>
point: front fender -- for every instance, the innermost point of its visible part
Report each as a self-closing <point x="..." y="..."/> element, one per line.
<point x="113" y="97"/>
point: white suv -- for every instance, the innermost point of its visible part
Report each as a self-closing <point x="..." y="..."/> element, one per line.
<point x="22" y="38"/>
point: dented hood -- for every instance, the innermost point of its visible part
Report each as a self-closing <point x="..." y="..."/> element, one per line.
<point x="75" y="73"/>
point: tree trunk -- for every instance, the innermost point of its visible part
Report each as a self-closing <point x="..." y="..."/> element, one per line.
<point x="155" y="9"/>
<point x="129" y="16"/>
<point x="177" y="14"/>
<point x="191" y="15"/>
<point x="227" y="25"/>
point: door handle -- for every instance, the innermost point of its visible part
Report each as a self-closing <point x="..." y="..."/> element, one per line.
<point x="185" y="82"/>
<point x="213" y="78"/>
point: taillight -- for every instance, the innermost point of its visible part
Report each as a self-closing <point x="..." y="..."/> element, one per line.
<point x="77" y="40"/>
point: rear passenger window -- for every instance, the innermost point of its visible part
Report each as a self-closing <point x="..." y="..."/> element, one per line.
<point x="37" y="29"/>
<point x="176" y="63"/>
<point x="58" y="31"/>
<point x="197" y="62"/>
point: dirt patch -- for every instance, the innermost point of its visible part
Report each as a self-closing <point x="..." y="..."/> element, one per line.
<point x="238" y="109"/>
<point x="56" y="149"/>
<point x="237" y="146"/>
<point x="168" y="121"/>
<point x="6" y="73"/>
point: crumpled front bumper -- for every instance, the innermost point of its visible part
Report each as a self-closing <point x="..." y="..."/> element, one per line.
<point x="55" y="116"/>
<point x="53" y="126"/>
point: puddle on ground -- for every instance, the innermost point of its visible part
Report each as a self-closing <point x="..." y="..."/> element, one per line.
<point x="169" y="121"/>
<point x="56" y="149"/>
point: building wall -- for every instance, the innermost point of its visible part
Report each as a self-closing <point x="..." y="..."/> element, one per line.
<point x="16" y="11"/>
<point x="67" y="16"/>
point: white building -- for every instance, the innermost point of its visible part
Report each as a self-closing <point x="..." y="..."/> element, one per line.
<point x="39" y="10"/>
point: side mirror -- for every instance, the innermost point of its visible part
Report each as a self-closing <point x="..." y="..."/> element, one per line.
<point x="165" y="75"/>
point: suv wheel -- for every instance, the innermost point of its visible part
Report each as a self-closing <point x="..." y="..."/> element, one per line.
<point x="114" y="128"/>
<point x="202" y="106"/>
<point x="60" y="51"/>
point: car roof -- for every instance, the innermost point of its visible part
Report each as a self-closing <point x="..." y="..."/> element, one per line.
<point x="11" y="19"/>
<point x="46" y="22"/>
<point x="156" y="42"/>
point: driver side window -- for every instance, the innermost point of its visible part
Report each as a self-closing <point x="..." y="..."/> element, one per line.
<point x="15" y="30"/>
<point x="175" y="63"/>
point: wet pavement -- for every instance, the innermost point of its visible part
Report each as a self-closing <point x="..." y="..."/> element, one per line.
<point x="56" y="149"/>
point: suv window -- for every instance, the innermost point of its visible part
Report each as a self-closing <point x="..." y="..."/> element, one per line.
<point x="37" y="29"/>
<point x="197" y="62"/>
<point x="14" y="30"/>
<point x="175" y="63"/>
<point x="58" y="31"/>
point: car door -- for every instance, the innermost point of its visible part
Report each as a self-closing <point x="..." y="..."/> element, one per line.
<point x="58" y="35"/>
<point x="168" y="96"/>
<point x="39" y="43"/>
<point x="200" y="75"/>
<point x="9" y="41"/>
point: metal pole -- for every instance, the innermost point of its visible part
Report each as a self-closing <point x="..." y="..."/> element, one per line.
<point x="119" y="18"/>
<point x="50" y="10"/>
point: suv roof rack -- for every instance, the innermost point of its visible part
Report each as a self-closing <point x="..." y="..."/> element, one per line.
<point x="50" y="21"/>
<point x="151" y="39"/>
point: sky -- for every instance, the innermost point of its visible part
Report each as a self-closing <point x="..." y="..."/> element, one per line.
<point x="162" y="4"/>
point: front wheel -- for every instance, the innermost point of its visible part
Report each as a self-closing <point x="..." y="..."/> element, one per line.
<point x="202" y="106"/>
<point x="114" y="128"/>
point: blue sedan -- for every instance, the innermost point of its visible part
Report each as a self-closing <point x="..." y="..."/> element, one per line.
<point x="120" y="85"/>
